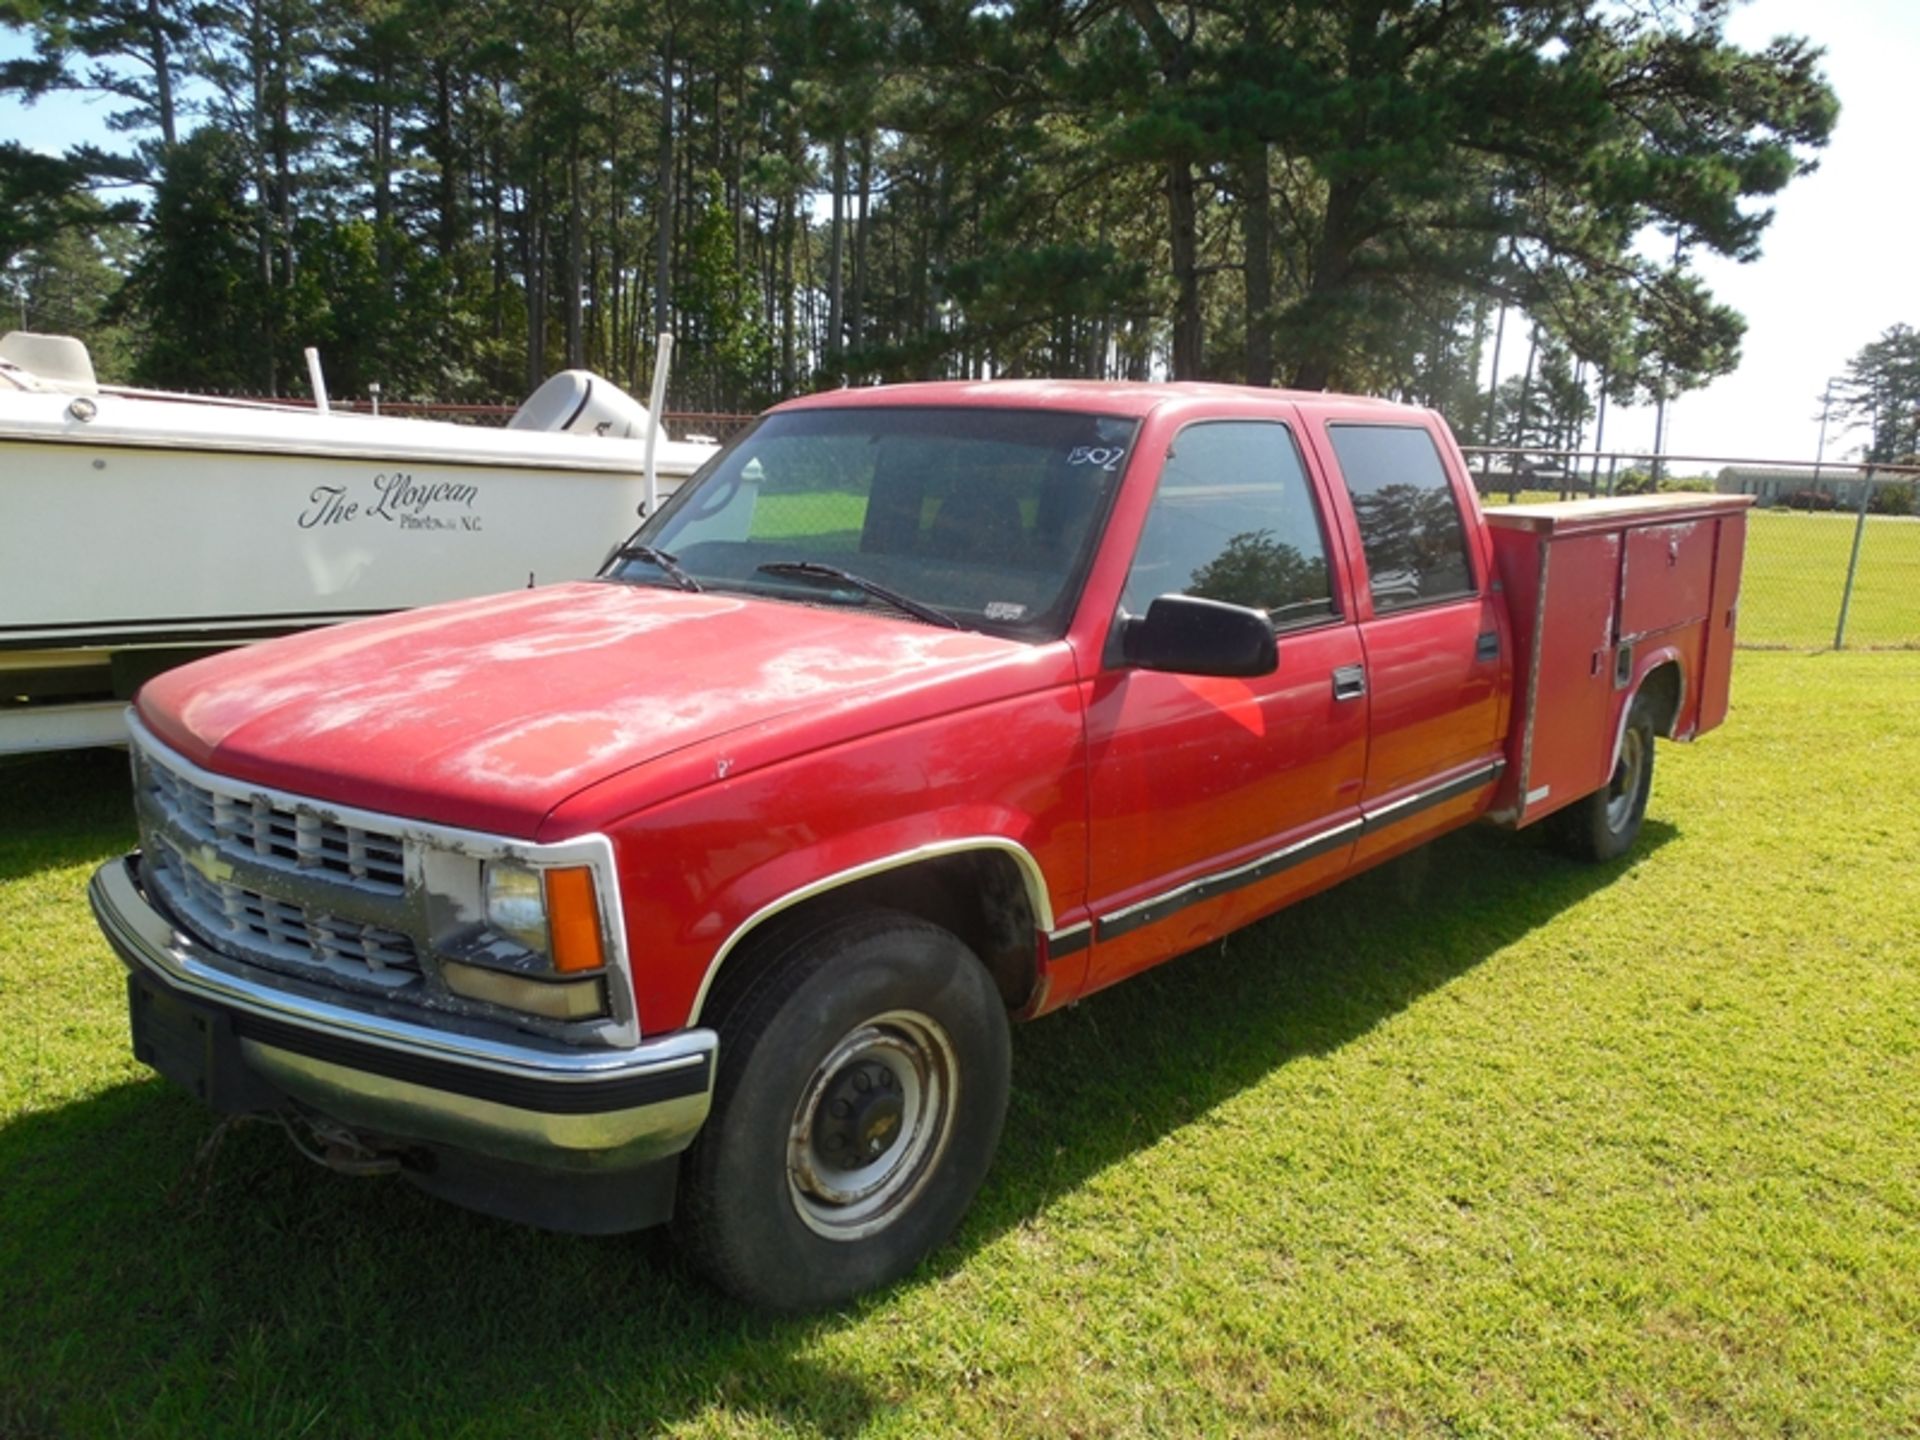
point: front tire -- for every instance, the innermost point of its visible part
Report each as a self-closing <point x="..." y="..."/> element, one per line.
<point x="1604" y="825"/>
<point x="863" y="1079"/>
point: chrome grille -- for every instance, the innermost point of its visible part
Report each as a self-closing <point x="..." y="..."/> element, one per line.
<point x="274" y="883"/>
<point x="294" y="839"/>
<point x="257" y="926"/>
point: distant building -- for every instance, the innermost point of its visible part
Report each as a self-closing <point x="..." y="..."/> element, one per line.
<point x="1774" y="485"/>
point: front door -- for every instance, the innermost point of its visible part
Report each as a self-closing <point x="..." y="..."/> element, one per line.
<point x="1213" y="800"/>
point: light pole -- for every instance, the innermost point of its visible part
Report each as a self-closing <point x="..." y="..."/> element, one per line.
<point x="1859" y="530"/>
<point x="1826" y="407"/>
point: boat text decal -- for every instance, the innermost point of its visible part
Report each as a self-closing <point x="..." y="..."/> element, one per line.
<point x="399" y="500"/>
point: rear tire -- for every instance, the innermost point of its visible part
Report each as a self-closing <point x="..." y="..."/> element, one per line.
<point x="1604" y="825"/>
<point x="863" y="1078"/>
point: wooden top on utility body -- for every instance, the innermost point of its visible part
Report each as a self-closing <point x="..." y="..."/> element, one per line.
<point x="1573" y="517"/>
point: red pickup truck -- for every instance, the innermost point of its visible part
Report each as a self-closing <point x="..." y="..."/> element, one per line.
<point x="706" y="889"/>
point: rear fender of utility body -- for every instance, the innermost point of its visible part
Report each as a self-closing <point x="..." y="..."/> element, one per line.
<point x="902" y="813"/>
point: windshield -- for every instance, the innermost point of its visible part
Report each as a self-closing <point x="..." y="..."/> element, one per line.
<point x="986" y="516"/>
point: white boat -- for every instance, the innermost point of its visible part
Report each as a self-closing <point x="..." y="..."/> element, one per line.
<point x="139" y="529"/>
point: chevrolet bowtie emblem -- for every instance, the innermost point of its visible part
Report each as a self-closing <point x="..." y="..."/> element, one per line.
<point x="207" y="861"/>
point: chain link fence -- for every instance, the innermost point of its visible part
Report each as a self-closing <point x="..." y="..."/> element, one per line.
<point x="1833" y="549"/>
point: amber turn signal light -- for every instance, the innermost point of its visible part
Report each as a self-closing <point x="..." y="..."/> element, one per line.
<point x="573" y="920"/>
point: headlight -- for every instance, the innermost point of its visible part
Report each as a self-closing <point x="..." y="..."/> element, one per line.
<point x="553" y="913"/>
<point x="521" y="935"/>
<point x="517" y="904"/>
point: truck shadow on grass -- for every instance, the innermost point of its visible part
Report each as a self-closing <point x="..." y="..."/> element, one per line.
<point x="254" y="1293"/>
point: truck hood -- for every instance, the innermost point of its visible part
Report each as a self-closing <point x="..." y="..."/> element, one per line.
<point x="488" y="713"/>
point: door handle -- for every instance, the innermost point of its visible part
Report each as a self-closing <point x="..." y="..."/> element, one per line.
<point x="1349" y="682"/>
<point x="1487" y="646"/>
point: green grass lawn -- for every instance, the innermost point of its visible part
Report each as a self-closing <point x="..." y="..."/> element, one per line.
<point x="1485" y="1143"/>
<point x="1796" y="571"/>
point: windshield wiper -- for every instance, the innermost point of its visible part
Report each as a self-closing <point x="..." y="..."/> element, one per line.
<point x="662" y="561"/>
<point x="833" y="574"/>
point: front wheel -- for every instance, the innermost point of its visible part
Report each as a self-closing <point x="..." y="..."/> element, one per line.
<point x="1604" y="825"/>
<point x="864" y="1071"/>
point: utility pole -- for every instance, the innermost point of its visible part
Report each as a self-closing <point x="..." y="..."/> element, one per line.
<point x="1820" y="455"/>
<point x="1525" y="418"/>
<point x="1859" y="530"/>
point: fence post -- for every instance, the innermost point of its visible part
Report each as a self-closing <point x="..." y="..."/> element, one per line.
<point x="1853" y="560"/>
<point x="1613" y="462"/>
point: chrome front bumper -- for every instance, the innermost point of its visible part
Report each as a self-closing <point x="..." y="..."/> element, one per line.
<point x="521" y="1102"/>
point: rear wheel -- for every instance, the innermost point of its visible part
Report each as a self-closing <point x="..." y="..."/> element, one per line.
<point x="863" y="1080"/>
<point x="1604" y="825"/>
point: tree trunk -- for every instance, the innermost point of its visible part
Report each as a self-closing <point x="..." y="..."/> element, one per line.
<point x="161" y="58"/>
<point x="1256" y="195"/>
<point x="836" y="249"/>
<point x="576" y="249"/>
<point x="737" y="179"/>
<point x="788" y="377"/>
<point x="383" y="180"/>
<point x="663" y="199"/>
<point x="442" y="149"/>
<point x="1332" y="268"/>
<point x="497" y="241"/>
<point x="536" y="272"/>
<point x="1491" y="436"/>
<point x="616" y="252"/>
<point x="857" y="317"/>
<point x="1524" y="419"/>
<point x="1184" y="237"/>
<point x="263" y="197"/>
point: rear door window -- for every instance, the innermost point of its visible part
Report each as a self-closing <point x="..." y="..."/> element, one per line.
<point x="1410" y="524"/>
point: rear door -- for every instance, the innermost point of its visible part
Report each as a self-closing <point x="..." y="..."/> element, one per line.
<point x="1213" y="799"/>
<point x="1432" y="632"/>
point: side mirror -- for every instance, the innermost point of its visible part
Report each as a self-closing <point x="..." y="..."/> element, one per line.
<point x="1187" y="635"/>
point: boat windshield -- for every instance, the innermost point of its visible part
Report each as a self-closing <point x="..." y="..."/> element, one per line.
<point x="986" y="516"/>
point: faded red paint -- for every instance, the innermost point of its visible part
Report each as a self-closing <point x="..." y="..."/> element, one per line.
<point x="738" y="750"/>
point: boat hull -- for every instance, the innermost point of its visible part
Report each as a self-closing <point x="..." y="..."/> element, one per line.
<point x="123" y="545"/>
<point x="118" y="558"/>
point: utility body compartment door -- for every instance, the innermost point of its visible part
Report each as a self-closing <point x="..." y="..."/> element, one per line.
<point x="1667" y="579"/>
<point x="1602" y="593"/>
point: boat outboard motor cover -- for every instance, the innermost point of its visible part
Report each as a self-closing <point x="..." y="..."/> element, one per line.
<point x="50" y="362"/>
<point x="582" y="403"/>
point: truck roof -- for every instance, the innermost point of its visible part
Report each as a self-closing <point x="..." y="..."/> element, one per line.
<point x="1133" y="398"/>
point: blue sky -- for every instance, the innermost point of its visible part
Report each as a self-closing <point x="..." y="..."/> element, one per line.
<point x="1839" y="265"/>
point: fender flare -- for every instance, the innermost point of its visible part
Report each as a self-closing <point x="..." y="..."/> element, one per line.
<point x="1644" y="666"/>
<point x="1032" y="878"/>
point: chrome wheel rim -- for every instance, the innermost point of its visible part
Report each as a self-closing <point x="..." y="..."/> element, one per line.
<point x="871" y="1124"/>
<point x="1625" y="787"/>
